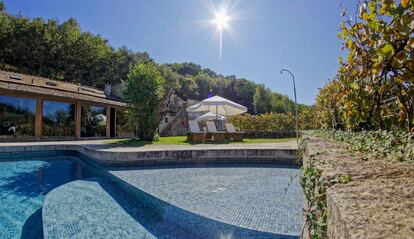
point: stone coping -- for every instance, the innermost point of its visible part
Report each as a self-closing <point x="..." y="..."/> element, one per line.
<point x="103" y="146"/>
<point x="113" y="155"/>
<point x="378" y="202"/>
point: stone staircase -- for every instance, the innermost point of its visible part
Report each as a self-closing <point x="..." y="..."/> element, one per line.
<point x="175" y="125"/>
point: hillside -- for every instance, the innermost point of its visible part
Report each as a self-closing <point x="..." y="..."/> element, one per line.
<point x="62" y="51"/>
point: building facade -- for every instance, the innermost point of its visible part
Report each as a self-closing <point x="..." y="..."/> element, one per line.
<point x="34" y="109"/>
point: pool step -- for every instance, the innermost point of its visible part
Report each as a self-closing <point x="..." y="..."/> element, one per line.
<point x="88" y="209"/>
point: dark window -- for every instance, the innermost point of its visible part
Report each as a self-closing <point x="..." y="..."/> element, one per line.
<point x="166" y="120"/>
<point x="58" y="119"/>
<point x="93" y="121"/>
<point x="124" y="126"/>
<point x="17" y="117"/>
<point x="112" y="123"/>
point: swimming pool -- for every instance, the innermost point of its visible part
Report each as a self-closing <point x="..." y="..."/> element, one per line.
<point x="66" y="196"/>
<point x="224" y="200"/>
<point x="24" y="184"/>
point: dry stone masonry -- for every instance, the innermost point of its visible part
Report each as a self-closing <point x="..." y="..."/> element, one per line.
<point x="364" y="199"/>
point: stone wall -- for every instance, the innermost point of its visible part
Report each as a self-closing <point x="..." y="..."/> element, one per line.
<point x="362" y="199"/>
<point x="270" y="134"/>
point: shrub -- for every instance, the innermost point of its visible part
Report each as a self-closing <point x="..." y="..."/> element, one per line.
<point x="144" y="92"/>
<point x="381" y="144"/>
<point x="270" y="122"/>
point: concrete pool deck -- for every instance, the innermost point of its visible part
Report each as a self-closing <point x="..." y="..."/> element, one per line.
<point x="103" y="146"/>
<point x="112" y="154"/>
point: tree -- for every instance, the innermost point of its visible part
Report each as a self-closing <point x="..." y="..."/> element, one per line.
<point x="376" y="79"/>
<point x="62" y="51"/>
<point x="144" y="93"/>
<point x="328" y="105"/>
<point x="244" y="92"/>
<point x="262" y="100"/>
<point x="205" y="84"/>
<point x="282" y="103"/>
<point x="197" y="83"/>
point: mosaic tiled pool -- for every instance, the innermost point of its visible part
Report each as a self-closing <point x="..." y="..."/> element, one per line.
<point x="225" y="201"/>
<point x="69" y="197"/>
<point x="23" y="185"/>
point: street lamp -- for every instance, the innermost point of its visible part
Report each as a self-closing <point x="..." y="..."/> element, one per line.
<point x="296" y="103"/>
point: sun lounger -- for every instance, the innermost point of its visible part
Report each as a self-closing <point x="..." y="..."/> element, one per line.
<point x="216" y="135"/>
<point x="195" y="135"/>
<point x="233" y="134"/>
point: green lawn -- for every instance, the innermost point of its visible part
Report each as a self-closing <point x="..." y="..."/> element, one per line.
<point x="182" y="140"/>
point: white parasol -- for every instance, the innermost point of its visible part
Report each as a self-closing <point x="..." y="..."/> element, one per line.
<point x="219" y="106"/>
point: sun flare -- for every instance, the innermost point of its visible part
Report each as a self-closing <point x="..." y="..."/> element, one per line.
<point x="221" y="20"/>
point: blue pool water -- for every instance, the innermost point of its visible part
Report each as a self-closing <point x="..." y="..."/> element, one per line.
<point x="23" y="185"/>
<point x="70" y="197"/>
<point x="234" y="201"/>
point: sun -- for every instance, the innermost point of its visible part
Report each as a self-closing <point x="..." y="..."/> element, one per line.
<point x="222" y="17"/>
<point x="221" y="20"/>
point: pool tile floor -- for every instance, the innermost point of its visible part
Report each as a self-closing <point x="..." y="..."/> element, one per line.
<point x="261" y="198"/>
<point x="74" y="211"/>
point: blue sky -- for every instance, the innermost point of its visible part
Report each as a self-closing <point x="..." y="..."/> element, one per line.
<point x="265" y="35"/>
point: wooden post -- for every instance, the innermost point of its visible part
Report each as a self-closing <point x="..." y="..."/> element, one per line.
<point x="78" y="109"/>
<point x="115" y="123"/>
<point x="38" y="118"/>
<point x="108" y="122"/>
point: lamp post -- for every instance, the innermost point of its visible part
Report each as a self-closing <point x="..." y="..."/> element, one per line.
<point x="296" y="103"/>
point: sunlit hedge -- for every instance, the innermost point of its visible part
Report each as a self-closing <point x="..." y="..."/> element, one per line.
<point x="274" y="121"/>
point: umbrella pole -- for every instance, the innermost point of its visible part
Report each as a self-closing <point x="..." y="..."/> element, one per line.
<point x="217" y="113"/>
